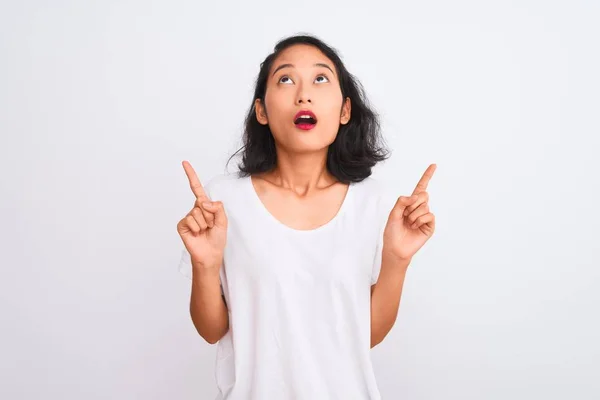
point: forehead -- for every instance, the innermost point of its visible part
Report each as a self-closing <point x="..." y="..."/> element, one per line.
<point x="301" y="55"/>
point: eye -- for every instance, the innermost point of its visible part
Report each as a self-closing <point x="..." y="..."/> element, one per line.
<point x="324" y="77"/>
<point x="285" y="77"/>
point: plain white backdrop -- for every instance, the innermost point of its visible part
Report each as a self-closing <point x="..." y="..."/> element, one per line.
<point x="101" y="101"/>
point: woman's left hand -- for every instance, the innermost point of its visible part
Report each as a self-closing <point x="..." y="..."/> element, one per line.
<point x="411" y="222"/>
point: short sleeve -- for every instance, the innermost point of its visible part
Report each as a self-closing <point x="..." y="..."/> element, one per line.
<point x="378" y="255"/>
<point x="384" y="207"/>
<point x="185" y="264"/>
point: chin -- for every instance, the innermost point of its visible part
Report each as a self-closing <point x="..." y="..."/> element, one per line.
<point x="309" y="143"/>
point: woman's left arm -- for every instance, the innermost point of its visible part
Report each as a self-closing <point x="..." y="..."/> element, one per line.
<point x="409" y="226"/>
<point x="385" y="297"/>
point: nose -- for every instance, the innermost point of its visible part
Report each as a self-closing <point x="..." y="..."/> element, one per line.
<point x="303" y="97"/>
<point x="303" y="100"/>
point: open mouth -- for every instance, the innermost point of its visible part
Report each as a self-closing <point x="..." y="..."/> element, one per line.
<point x="305" y="120"/>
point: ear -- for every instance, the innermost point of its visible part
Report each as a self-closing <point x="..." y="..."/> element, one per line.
<point x="346" y="111"/>
<point x="261" y="112"/>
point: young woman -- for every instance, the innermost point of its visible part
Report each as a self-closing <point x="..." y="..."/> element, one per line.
<point x="298" y="260"/>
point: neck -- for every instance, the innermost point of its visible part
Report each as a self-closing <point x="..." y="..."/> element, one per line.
<point x="301" y="172"/>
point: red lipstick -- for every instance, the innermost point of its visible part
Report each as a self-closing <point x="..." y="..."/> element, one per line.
<point x="305" y="119"/>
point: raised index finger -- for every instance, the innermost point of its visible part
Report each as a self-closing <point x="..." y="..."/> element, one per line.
<point x="195" y="184"/>
<point x="422" y="185"/>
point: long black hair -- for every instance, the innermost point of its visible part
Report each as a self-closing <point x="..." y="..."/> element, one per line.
<point x="358" y="145"/>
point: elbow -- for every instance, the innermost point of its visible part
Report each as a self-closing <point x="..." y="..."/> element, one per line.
<point x="377" y="337"/>
<point x="380" y="331"/>
<point x="210" y="336"/>
<point x="375" y="340"/>
<point x="210" y="330"/>
<point x="210" y="340"/>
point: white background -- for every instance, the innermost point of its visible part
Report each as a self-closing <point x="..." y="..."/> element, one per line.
<point x="100" y="102"/>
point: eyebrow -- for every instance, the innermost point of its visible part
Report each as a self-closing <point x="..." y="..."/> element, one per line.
<point x="293" y="66"/>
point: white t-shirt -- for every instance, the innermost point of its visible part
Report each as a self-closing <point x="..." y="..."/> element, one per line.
<point x="299" y="301"/>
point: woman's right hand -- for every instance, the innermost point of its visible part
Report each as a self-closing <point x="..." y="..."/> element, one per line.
<point x="204" y="229"/>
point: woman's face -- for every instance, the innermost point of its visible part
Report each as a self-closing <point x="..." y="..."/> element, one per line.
<point x="302" y="79"/>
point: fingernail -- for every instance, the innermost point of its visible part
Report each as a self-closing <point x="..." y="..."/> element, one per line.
<point x="206" y="204"/>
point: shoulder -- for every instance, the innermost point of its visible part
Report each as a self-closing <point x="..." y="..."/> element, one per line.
<point x="373" y="202"/>
<point x="373" y="192"/>
<point x="223" y="185"/>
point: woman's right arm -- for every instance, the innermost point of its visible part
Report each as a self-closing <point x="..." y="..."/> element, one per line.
<point x="207" y="306"/>
<point x="204" y="234"/>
